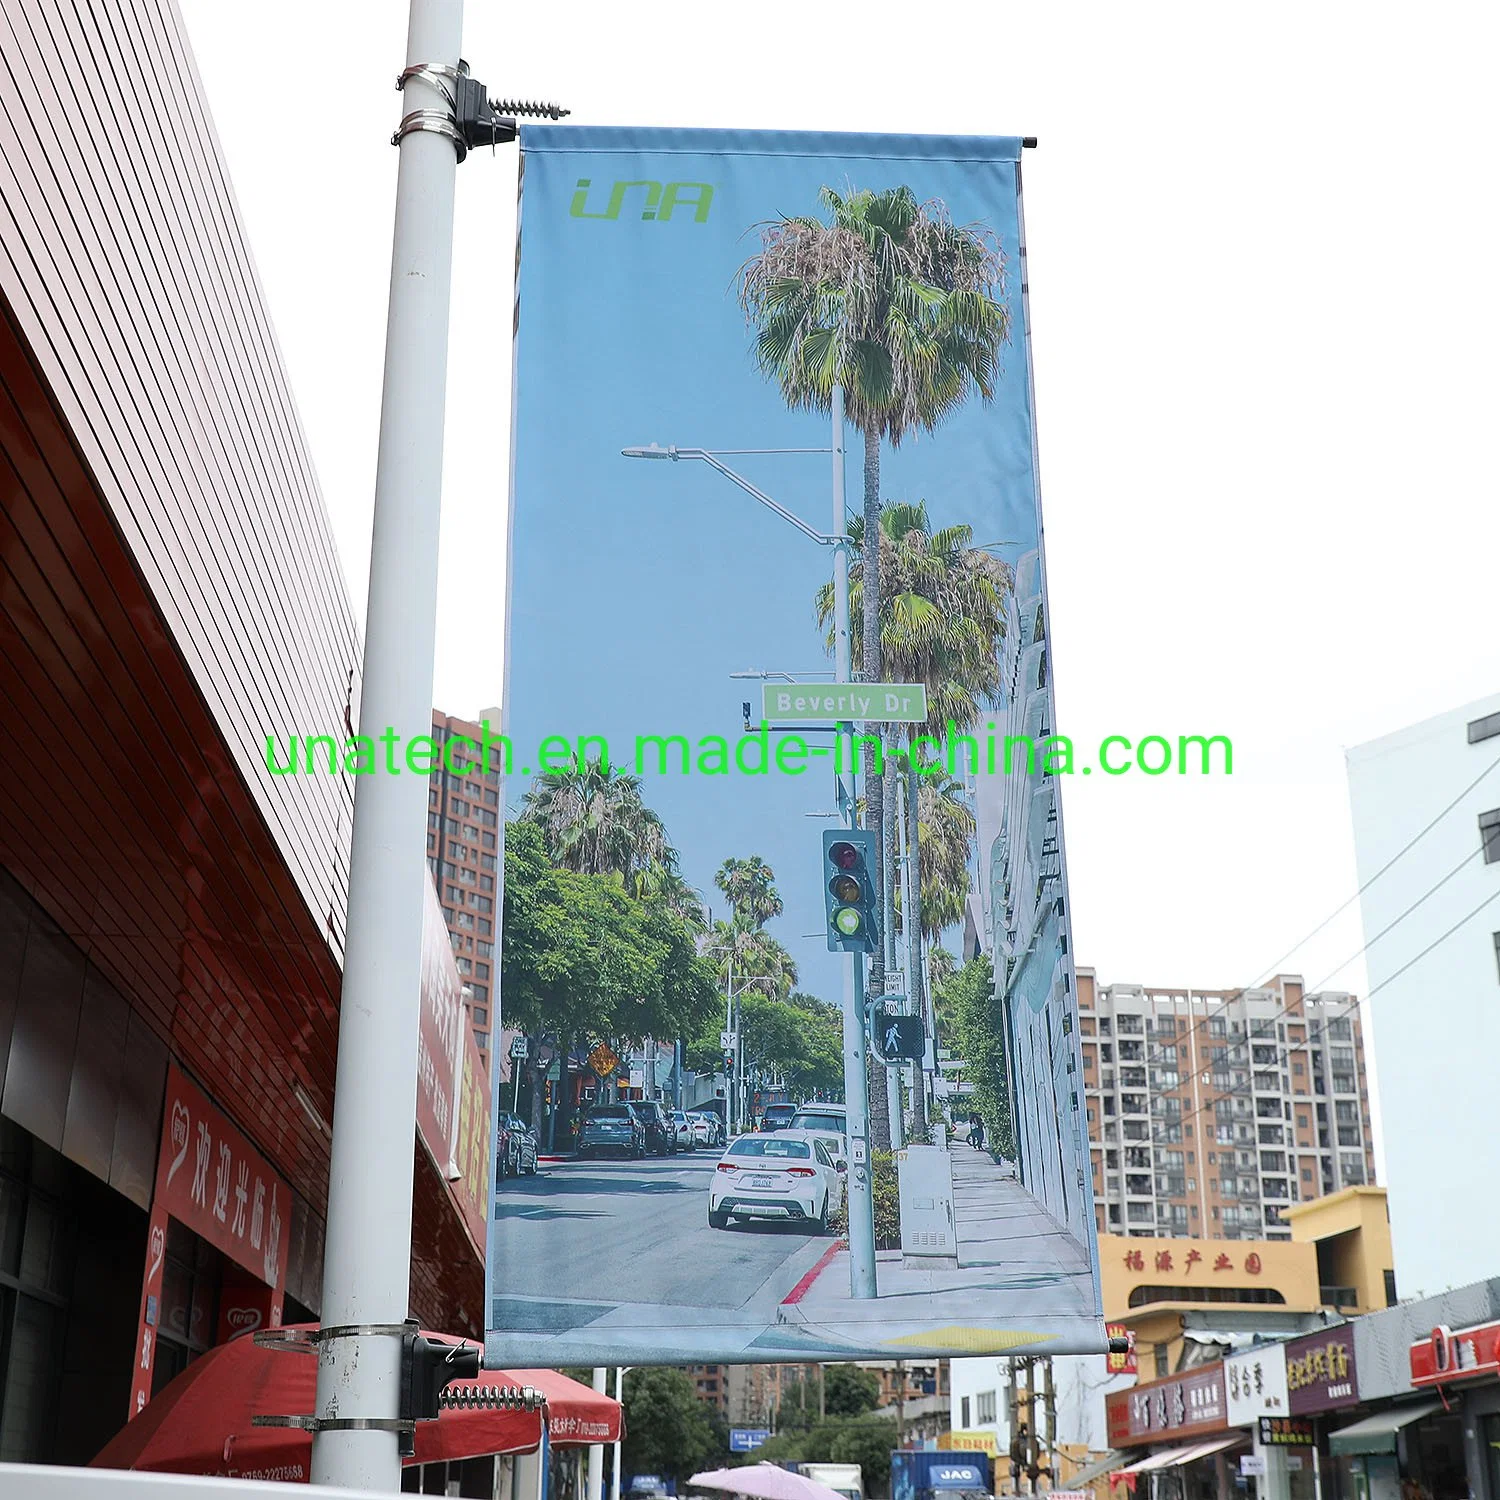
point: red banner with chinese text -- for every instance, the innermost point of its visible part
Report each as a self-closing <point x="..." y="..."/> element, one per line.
<point x="212" y="1180"/>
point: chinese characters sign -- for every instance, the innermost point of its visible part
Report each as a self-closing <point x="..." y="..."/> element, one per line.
<point x="443" y="1028"/>
<point x="1285" y="1432"/>
<point x="1188" y="1260"/>
<point x="1320" y="1371"/>
<point x="1256" y="1385"/>
<point x="471" y="1189"/>
<point x="1181" y="1406"/>
<point x="210" y="1179"/>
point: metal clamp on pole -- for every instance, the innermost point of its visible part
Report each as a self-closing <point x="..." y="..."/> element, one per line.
<point x="474" y="119"/>
<point x="427" y="1366"/>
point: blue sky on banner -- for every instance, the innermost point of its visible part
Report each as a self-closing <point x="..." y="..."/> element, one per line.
<point x="640" y="586"/>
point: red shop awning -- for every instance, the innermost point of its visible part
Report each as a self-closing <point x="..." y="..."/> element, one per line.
<point x="201" y="1423"/>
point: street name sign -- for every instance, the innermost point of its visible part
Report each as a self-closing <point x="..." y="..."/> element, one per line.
<point x="747" y="1439"/>
<point x="835" y="702"/>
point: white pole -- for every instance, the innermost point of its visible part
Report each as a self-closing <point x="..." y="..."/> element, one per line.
<point x="367" y="1255"/>
<point x="596" y="1450"/>
<point x="614" y="1490"/>
<point x="860" y="1187"/>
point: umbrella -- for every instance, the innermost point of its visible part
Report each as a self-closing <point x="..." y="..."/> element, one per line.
<point x="201" y="1422"/>
<point x="763" y="1482"/>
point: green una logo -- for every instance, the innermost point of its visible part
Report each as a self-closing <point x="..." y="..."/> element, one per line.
<point x="657" y="201"/>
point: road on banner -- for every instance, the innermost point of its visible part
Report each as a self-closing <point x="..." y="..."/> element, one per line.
<point x="657" y="1235"/>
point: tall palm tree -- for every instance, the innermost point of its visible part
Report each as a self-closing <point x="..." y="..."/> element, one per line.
<point x="597" y="823"/>
<point x="891" y="301"/>
<point x="749" y="885"/>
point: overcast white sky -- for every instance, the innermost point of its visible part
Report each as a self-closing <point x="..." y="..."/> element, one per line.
<point x="1264" y="311"/>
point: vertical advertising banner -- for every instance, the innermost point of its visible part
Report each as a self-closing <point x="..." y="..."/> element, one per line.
<point x="765" y="383"/>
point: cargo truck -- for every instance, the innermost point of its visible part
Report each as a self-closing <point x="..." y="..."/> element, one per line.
<point x="917" y="1475"/>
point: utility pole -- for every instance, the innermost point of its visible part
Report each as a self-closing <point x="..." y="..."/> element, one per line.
<point x="900" y="1404"/>
<point x="367" y="1258"/>
<point x="1017" y="1425"/>
<point x="860" y="1187"/>
<point x="1049" y="1400"/>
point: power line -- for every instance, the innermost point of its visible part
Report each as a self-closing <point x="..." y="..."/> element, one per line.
<point x="1270" y="970"/>
<point x="1316" y="1031"/>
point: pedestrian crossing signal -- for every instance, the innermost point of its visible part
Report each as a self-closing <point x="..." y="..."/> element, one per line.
<point x="899" y="1038"/>
<point x="849" y="883"/>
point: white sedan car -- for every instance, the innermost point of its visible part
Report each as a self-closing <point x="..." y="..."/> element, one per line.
<point x="704" y="1133"/>
<point x="784" y="1176"/>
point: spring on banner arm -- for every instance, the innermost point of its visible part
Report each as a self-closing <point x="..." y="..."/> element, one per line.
<point x="492" y="1397"/>
<point x="533" y="107"/>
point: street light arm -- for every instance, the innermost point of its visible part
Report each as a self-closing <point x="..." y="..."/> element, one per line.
<point x="808" y="531"/>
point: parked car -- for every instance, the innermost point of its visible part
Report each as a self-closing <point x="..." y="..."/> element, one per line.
<point x="611" y="1129"/>
<point x="777" y="1116"/>
<point x="775" y="1177"/>
<point x="708" y="1130"/>
<point x="830" y="1121"/>
<point x="660" y="1136"/>
<point x="682" y="1129"/>
<point x="517" y="1146"/>
<point x="835" y="1144"/>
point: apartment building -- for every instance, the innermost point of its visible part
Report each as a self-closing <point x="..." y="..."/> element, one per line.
<point x="463" y="853"/>
<point x="1212" y="1112"/>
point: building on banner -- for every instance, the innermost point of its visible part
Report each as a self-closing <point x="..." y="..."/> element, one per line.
<point x="171" y="907"/>
<point x="674" y="317"/>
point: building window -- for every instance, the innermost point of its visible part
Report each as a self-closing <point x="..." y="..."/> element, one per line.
<point x="963" y="1411"/>
<point x="1484" y="729"/>
<point x="1497" y="950"/>
<point x="482" y="1040"/>
<point x="984" y="1408"/>
<point x="481" y="1016"/>
<point x="1489" y="835"/>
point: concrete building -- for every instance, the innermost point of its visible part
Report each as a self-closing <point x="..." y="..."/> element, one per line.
<point x="463" y="838"/>
<point x="1426" y="814"/>
<point x="1212" y="1112"/>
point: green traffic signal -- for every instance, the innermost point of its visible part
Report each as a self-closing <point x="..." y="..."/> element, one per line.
<point x="848" y="868"/>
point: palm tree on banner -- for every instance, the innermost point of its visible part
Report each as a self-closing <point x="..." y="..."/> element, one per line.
<point x="942" y="624"/>
<point x="750" y="887"/>
<point x="891" y="301"/>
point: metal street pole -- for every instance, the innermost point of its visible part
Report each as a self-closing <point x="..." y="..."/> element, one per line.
<point x="614" y="1490"/>
<point x="860" y="1189"/>
<point x="367" y="1256"/>
<point x="596" y="1450"/>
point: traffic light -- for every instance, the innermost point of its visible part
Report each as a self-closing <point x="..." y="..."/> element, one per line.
<point x="849" y="880"/>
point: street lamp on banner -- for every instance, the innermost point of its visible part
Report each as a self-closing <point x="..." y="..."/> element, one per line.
<point x="856" y="1088"/>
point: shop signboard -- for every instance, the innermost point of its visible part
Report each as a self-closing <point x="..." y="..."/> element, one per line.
<point x="215" y="1183"/>
<point x="1179" y="1406"/>
<point x="1286" y="1432"/>
<point x="1255" y="1385"/>
<point x="1320" y="1372"/>
<point x="738" y="332"/>
<point x="1446" y="1355"/>
<point x="440" y="1044"/>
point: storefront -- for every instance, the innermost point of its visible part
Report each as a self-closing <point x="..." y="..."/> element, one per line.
<point x="1282" y="1461"/>
<point x="1184" y="1421"/>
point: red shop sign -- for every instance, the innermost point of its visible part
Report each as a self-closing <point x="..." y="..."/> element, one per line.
<point x="212" y="1180"/>
<point x="1180" y="1406"/>
<point x="1445" y="1355"/>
